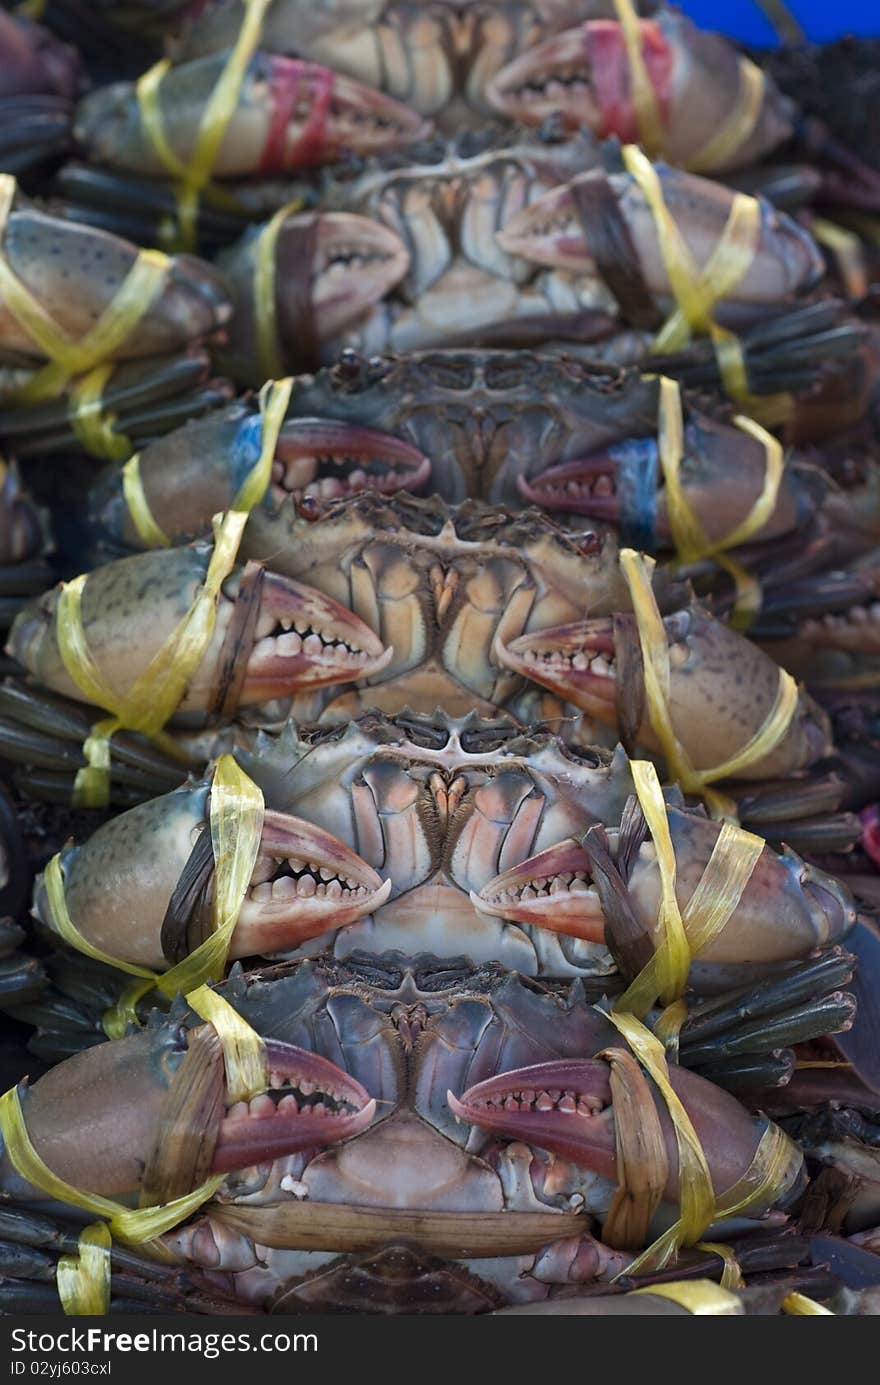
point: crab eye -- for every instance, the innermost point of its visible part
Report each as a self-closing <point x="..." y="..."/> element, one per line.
<point x="309" y="508"/>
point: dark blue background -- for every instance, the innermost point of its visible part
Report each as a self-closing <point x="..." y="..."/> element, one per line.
<point x="820" y="19"/>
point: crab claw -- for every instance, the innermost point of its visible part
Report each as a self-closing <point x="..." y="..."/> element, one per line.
<point x="141" y="887"/>
<point x="131" y="607"/>
<point x="566" y="1108"/>
<point x="551" y="232"/>
<point x="722" y="475"/>
<point x="330" y="267"/>
<point x="191" y="303"/>
<point x="722" y="687"/>
<point x="96" y="1118"/>
<point x="550" y="890"/>
<point x="583" y="75"/>
<point x="289" y="114"/>
<point x="196" y="471"/>
<point x="556" y="890"/>
<point x="305" y="639"/>
<point x="310" y="1102"/>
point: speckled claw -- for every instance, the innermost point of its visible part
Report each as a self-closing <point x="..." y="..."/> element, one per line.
<point x="141" y="887"/>
<point x="85" y="1129"/>
<point x="712" y="718"/>
<point x="565" y="890"/>
<point x="191" y="304"/>
<point x="329" y="269"/>
<point x="299" y="637"/>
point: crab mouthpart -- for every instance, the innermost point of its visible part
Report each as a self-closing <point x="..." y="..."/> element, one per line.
<point x="304" y="883"/>
<point x="356" y="262"/>
<point x="309" y="1102"/>
<point x="576" y="661"/>
<point x="563" y="1107"/>
<point x="304" y="639"/>
<point x="325" y="459"/>
<point x="553" y="77"/>
<point x="550" y="890"/>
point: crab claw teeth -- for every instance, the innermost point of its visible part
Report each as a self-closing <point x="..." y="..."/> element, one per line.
<point x="327" y="1105"/>
<point x="588" y="485"/>
<point x="356" y="262"/>
<point x="335" y="459"/>
<point x="576" y="661"/>
<point x="304" y="639"/>
<point x="549" y="232"/>
<point x="563" y="1107"/>
<point x="553" y="77"/>
<point x="550" y="890"/>
<point x="339" y="114"/>
<point x="305" y="882"/>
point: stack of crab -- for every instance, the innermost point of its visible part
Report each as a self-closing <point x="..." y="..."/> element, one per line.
<point x="439" y="724"/>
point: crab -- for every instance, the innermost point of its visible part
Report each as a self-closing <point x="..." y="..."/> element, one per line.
<point x="387" y="1121"/>
<point x="431" y="835"/>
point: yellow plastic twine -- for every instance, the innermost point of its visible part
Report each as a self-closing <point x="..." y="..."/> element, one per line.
<point x="733" y="132"/>
<point x="83" y="1281"/>
<point x="194" y="177"/>
<point x="644" y="97"/>
<point x="236" y="820"/>
<point x="740" y="124"/>
<point x="274" y="399"/>
<point x="637" y="569"/>
<point x="155" y="695"/>
<point x="697" y="291"/>
<point x="265" y="305"/>
<point x="801" y="1306"/>
<point x="683" y="936"/>
<point x="699" y="1296"/>
<point x="67" y="358"/>
<point x="95" y="430"/>
<point x="762" y="1183"/>
<point x="691" y="541"/>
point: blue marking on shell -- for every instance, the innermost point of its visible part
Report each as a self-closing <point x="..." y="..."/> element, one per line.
<point x="246" y="448"/>
<point x="637" y="460"/>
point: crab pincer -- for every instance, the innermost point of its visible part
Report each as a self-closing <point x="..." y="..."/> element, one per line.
<point x="82" y="1121"/>
<point x="284" y="636"/>
<point x="722" y="687"/>
<point x="289" y="114"/>
<point x="141" y="888"/>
